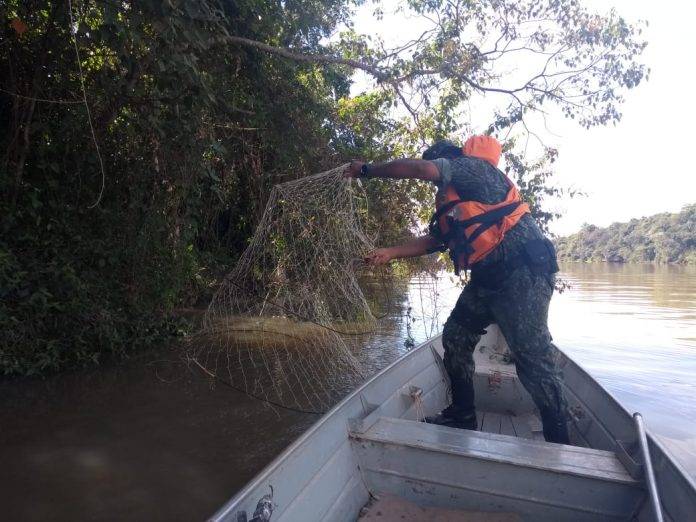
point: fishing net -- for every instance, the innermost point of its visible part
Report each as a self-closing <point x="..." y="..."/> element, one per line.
<point x="280" y="327"/>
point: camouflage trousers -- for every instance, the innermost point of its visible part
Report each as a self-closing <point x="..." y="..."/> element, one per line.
<point x="519" y="305"/>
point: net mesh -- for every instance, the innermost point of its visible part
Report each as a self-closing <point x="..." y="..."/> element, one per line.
<point x="281" y="325"/>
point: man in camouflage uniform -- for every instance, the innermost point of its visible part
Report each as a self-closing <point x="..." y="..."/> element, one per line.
<point x="511" y="286"/>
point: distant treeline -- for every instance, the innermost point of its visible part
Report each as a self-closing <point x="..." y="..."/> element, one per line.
<point x="662" y="238"/>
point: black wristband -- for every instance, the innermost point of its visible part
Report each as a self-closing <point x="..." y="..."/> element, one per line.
<point x="365" y="171"/>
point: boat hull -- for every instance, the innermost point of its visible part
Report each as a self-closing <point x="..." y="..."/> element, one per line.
<point x="330" y="472"/>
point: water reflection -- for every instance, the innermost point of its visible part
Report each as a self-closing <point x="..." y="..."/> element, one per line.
<point x="634" y="328"/>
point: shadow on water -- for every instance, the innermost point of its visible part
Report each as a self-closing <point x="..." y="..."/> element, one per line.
<point x="154" y="440"/>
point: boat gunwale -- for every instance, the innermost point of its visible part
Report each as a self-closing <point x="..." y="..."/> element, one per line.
<point x="670" y="457"/>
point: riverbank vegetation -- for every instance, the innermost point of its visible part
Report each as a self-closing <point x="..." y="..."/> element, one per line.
<point x="662" y="238"/>
<point x="140" y="140"/>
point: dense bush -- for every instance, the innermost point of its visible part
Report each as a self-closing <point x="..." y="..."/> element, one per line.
<point x="192" y="138"/>
<point x="139" y="146"/>
<point x="191" y="142"/>
<point x="663" y="238"/>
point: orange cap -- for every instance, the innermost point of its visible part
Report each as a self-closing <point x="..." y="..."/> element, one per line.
<point x="484" y="147"/>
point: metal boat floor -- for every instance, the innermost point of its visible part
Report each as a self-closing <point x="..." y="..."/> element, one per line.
<point x="527" y="426"/>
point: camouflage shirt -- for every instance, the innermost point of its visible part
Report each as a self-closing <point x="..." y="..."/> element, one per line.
<point x="477" y="180"/>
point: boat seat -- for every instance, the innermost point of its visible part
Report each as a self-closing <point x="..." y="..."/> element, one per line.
<point x="388" y="508"/>
<point x="462" y="469"/>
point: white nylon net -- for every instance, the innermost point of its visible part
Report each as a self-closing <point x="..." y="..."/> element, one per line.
<point x="281" y="324"/>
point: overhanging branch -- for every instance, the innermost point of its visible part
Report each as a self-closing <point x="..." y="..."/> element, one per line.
<point x="309" y="58"/>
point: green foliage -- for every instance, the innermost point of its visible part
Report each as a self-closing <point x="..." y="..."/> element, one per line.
<point x="194" y="128"/>
<point x="534" y="181"/>
<point x="663" y="238"/>
<point x="367" y="130"/>
<point x="536" y="54"/>
<point x="192" y="141"/>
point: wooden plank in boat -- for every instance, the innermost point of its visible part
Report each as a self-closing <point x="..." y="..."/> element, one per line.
<point x="522" y="428"/>
<point x="464" y="469"/>
<point x="506" y="427"/>
<point x="491" y="422"/>
<point x="540" y="508"/>
<point x="525" y="426"/>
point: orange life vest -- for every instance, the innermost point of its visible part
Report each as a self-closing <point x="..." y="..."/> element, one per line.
<point x="471" y="229"/>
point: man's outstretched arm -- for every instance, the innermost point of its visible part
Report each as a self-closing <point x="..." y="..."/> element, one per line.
<point x="414" y="248"/>
<point x="397" y="169"/>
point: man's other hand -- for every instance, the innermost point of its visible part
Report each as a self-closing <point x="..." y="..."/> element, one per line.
<point x="380" y="256"/>
<point x="353" y="170"/>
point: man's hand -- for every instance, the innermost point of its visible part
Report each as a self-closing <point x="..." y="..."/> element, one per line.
<point x="380" y="256"/>
<point x="353" y="170"/>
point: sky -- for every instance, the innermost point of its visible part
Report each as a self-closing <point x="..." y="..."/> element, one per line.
<point x="640" y="166"/>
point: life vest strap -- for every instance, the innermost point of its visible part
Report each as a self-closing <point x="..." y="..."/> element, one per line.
<point x="484" y="221"/>
<point x="434" y="225"/>
<point x="471" y="229"/>
<point x="491" y="217"/>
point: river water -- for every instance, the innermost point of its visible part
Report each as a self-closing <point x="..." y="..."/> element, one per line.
<point x="153" y="440"/>
<point x="633" y="327"/>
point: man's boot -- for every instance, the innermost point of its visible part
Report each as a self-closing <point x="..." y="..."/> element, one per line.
<point x="555" y="427"/>
<point x="461" y="413"/>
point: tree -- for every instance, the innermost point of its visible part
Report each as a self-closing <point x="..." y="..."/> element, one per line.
<point x="92" y="260"/>
<point x="570" y="57"/>
<point x="662" y="238"/>
<point x="579" y="61"/>
<point x="140" y="140"/>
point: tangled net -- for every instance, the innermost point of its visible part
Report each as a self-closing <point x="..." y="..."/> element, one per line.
<point x="281" y="323"/>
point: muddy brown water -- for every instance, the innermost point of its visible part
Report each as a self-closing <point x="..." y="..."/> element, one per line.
<point x="134" y="443"/>
<point x="151" y="439"/>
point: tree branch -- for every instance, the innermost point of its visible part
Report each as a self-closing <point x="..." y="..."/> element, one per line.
<point x="309" y="58"/>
